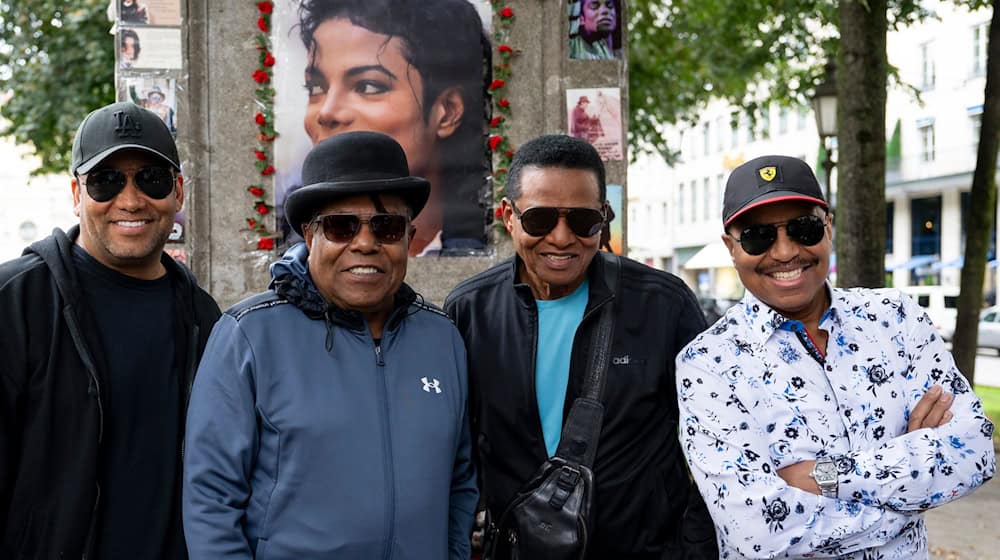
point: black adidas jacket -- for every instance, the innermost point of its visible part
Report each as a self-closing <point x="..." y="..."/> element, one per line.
<point x="642" y="484"/>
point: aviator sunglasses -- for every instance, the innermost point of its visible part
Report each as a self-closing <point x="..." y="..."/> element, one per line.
<point x="540" y="220"/>
<point x="155" y="182"/>
<point x="341" y="228"/>
<point x="804" y="230"/>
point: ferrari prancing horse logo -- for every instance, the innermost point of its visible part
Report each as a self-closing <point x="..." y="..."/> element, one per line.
<point x="768" y="173"/>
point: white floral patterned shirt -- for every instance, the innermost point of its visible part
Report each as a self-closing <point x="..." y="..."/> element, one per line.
<point x="757" y="395"/>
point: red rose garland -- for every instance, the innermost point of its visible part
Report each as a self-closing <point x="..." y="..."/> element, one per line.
<point x="499" y="140"/>
<point x="264" y="118"/>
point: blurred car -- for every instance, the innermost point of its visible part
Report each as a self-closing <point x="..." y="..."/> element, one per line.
<point x="940" y="303"/>
<point x="714" y="308"/>
<point x="989" y="328"/>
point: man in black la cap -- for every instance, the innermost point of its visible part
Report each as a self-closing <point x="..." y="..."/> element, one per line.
<point x="328" y="419"/>
<point x="103" y="336"/>
<point x="817" y="420"/>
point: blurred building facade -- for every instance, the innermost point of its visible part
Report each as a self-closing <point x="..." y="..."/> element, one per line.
<point x="933" y="126"/>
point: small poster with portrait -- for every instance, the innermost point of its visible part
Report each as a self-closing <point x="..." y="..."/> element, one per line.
<point x="149" y="48"/>
<point x="611" y="236"/>
<point x="595" y="115"/>
<point x="149" y="12"/>
<point x="159" y="95"/>
<point x="414" y="70"/>
<point x="595" y="29"/>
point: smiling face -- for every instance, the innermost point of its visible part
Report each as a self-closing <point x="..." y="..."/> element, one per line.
<point x="361" y="274"/>
<point x="128" y="232"/>
<point x="789" y="277"/>
<point x="360" y="80"/>
<point x="554" y="264"/>
<point x="598" y="16"/>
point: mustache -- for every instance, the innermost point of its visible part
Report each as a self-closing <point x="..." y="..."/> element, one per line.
<point x="797" y="262"/>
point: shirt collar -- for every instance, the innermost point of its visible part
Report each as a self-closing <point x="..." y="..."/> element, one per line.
<point x="762" y="320"/>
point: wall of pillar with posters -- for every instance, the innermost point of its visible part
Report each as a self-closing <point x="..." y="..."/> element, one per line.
<point x="149" y="71"/>
<point x="261" y="81"/>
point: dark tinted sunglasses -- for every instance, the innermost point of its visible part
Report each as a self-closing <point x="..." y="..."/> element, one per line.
<point x="540" y="220"/>
<point x="341" y="228"/>
<point x="155" y="182"/>
<point x="804" y="230"/>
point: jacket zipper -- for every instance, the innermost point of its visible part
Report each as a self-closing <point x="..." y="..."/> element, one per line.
<point x="390" y="475"/>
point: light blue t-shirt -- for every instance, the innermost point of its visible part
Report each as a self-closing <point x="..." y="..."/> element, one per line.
<point x="557" y="323"/>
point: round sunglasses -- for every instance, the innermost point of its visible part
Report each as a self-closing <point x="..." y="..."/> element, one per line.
<point x="807" y="230"/>
<point x="540" y="220"/>
<point x="156" y="182"/>
<point x="342" y="228"/>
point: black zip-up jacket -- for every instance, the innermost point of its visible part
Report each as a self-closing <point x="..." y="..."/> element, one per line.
<point x="642" y="487"/>
<point x="51" y="410"/>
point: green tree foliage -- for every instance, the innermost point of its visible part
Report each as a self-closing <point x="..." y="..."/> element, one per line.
<point x="56" y="64"/>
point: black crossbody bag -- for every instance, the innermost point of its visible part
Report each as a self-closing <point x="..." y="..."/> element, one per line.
<point x="551" y="517"/>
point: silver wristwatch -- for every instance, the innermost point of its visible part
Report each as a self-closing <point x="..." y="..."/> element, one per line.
<point x="826" y="476"/>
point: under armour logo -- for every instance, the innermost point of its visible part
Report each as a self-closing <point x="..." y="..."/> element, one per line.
<point x="126" y="126"/>
<point x="433" y="384"/>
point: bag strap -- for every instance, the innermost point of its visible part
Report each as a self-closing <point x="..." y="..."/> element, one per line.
<point x="580" y="434"/>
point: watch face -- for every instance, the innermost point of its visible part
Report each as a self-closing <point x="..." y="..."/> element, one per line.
<point x="825" y="472"/>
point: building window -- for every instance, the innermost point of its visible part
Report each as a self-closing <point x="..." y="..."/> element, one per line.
<point x="926" y="142"/>
<point x="706" y="202"/>
<point x="980" y="34"/>
<point x="925" y="226"/>
<point x="803" y="118"/>
<point x="718" y="134"/>
<point x="750" y="127"/>
<point x="706" y="137"/>
<point x="680" y="203"/>
<point x="689" y="204"/>
<point x="765" y="125"/>
<point x="734" y="131"/>
<point x="782" y="120"/>
<point x="927" y="72"/>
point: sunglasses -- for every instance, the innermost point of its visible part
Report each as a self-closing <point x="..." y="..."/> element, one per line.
<point x="155" y="182"/>
<point x="804" y="230"/>
<point x="540" y="220"/>
<point x="342" y="228"/>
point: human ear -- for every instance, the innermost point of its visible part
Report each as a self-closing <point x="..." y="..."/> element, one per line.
<point x="449" y="108"/>
<point x="507" y="213"/>
<point x="75" y="187"/>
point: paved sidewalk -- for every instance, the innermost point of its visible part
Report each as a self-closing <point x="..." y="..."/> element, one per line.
<point x="967" y="529"/>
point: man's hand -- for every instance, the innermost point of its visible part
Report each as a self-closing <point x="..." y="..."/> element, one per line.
<point x="932" y="410"/>
<point x="797" y="475"/>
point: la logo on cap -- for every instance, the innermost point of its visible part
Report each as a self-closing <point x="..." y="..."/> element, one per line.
<point x="768" y="173"/>
<point x="126" y="126"/>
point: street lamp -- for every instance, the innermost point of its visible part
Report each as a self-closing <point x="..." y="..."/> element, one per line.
<point x="824" y="105"/>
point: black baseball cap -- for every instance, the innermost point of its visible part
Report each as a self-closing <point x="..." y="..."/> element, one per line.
<point x="769" y="179"/>
<point x="121" y="126"/>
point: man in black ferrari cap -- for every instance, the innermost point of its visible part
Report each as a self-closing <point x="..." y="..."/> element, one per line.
<point x="820" y="421"/>
<point x="328" y="418"/>
<point x="103" y="332"/>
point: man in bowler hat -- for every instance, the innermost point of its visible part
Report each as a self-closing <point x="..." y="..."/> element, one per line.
<point x="329" y="416"/>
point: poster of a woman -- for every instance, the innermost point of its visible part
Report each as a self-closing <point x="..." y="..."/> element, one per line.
<point x="415" y="70"/>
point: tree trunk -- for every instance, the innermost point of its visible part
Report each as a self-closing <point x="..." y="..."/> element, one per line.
<point x="982" y="205"/>
<point x="862" y="67"/>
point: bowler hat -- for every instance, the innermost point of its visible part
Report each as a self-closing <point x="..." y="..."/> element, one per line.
<point x="769" y="179"/>
<point x="350" y="164"/>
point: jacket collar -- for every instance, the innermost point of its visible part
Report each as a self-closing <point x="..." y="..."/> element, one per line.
<point x="598" y="293"/>
<point x="290" y="279"/>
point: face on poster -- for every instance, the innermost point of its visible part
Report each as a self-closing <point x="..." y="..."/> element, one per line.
<point x="595" y="30"/>
<point x="613" y="242"/>
<point x="149" y="48"/>
<point x="149" y="12"/>
<point x="594" y="115"/>
<point x="159" y="95"/>
<point x="412" y="70"/>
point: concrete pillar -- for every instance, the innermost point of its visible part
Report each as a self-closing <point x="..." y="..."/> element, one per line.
<point x="901" y="239"/>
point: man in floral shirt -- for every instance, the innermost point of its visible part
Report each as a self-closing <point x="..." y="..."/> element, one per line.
<point x="817" y="421"/>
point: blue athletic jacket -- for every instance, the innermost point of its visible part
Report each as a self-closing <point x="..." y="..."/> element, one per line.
<point x="306" y="440"/>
